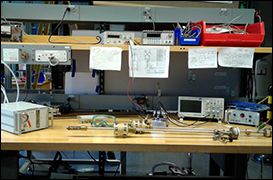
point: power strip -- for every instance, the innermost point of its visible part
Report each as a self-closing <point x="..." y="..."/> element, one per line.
<point x="36" y="54"/>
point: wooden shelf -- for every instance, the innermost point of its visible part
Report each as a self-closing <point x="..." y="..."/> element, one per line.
<point x="84" y="43"/>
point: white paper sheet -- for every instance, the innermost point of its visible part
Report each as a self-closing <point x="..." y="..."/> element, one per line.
<point x="202" y="58"/>
<point x="236" y="57"/>
<point x="105" y="58"/>
<point x="82" y="83"/>
<point x="149" y="61"/>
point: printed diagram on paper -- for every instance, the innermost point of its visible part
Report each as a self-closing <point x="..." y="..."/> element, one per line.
<point x="149" y="61"/>
<point x="236" y="57"/>
<point x="202" y="58"/>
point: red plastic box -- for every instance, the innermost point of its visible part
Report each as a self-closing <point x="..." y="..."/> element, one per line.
<point x="253" y="38"/>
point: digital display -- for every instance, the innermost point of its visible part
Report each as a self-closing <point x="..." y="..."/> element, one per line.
<point x="190" y="106"/>
<point x="113" y="36"/>
<point x="153" y="35"/>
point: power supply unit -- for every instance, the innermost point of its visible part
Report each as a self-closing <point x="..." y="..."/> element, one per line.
<point x="21" y="117"/>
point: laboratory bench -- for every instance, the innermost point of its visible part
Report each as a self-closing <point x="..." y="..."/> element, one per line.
<point x="231" y="155"/>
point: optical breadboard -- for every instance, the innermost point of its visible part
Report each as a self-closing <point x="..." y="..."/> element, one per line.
<point x="21" y="117"/>
<point x="36" y="54"/>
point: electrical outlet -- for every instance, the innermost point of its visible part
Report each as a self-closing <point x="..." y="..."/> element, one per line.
<point x="45" y="55"/>
<point x="147" y="14"/>
<point x="36" y="54"/>
<point x="72" y="8"/>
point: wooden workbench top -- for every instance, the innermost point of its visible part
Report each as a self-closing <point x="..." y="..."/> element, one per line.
<point x="59" y="138"/>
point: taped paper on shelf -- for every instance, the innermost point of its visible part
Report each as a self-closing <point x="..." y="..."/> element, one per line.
<point x="236" y="57"/>
<point x="149" y="61"/>
<point x="81" y="83"/>
<point x="202" y="58"/>
<point x="105" y="58"/>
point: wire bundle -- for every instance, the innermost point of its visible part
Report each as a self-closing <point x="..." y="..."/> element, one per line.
<point x="178" y="122"/>
<point x="17" y="85"/>
<point x="228" y="28"/>
<point x="191" y="31"/>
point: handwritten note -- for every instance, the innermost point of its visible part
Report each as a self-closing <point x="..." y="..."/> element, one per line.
<point x="149" y="61"/>
<point x="202" y="58"/>
<point x="105" y="58"/>
<point x="236" y="57"/>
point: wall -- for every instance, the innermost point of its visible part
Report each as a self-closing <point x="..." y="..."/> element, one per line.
<point x="226" y="4"/>
<point x="222" y="82"/>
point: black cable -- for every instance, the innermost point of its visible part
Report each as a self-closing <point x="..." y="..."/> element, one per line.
<point x="27" y="92"/>
<point x="98" y="163"/>
<point x="192" y="124"/>
<point x="117" y="170"/>
<point x="150" y="17"/>
<point x="31" y="162"/>
<point x="93" y="158"/>
<point x="138" y="108"/>
<point x="249" y="85"/>
<point x="58" y="26"/>
<point x="180" y="124"/>
<point x="33" y="169"/>
<point x="64" y="154"/>
<point x="255" y="83"/>
<point x="247" y="160"/>
<point x="139" y="112"/>
<point x="169" y="164"/>
<point x="262" y="162"/>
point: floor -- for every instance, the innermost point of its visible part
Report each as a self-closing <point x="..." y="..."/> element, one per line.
<point x="139" y="164"/>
